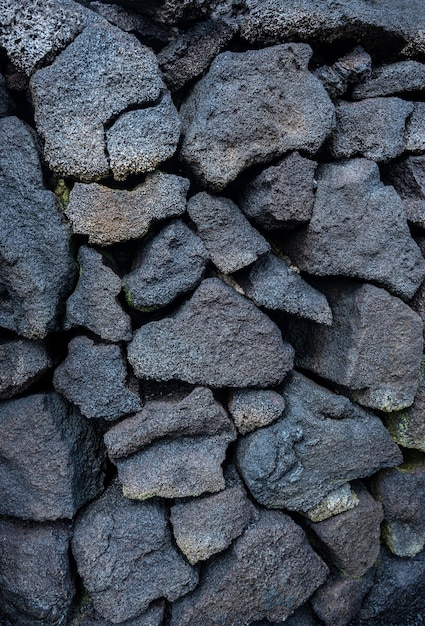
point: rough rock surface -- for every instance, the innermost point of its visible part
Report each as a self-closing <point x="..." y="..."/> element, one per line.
<point x="282" y="196"/>
<point x="397" y="78"/>
<point x="348" y="70"/>
<point x="109" y="216"/>
<point x="415" y="129"/>
<point x="337" y="501"/>
<point x="93" y="377"/>
<point x="254" y="408"/>
<point x="298" y="460"/>
<point x="36" y="267"/>
<point x="22" y="362"/>
<point x="7" y="105"/>
<point x="124" y="553"/>
<point x="339" y="599"/>
<point x="153" y="616"/>
<point x="47" y="481"/>
<point x="407" y="427"/>
<point x="169" y="265"/>
<point x="268" y="573"/>
<point x="129" y="21"/>
<point x="217" y="339"/>
<point x="230" y="121"/>
<point x="228" y="236"/>
<point x="94" y="303"/>
<point x="359" y="229"/>
<point x="373" y="348"/>
<point x="408" y="178"/>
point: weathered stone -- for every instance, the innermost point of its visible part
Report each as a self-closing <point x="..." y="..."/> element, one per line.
<point x="94" y="303"/>
<point x="112" y="215"/>
<point x="373" y="348"/>
<point x="274" y="284"/>
<point x="169" y="265"/>
<point x="230" y="121"/>
<point x="50" y="458"/>
<point x="298" y="460"/>
<point x="268" y="573"/>
<point x="351" y="68"/>
<point x="153" y="616"/>
<point x="124" y="553"/>
<point x="228" y="236"/>
<point x="371" y="128"/>
<point x="218" y="339"/>
<point x="22" y="362"/>
<point x="338" y="501"/>
<point x="93" y="377"/>
<point x="169" y="11"/>
<point x="254" y="408"/>
<point x="340" y="599"/>
<point x="36" y="266"/>
<point x="359" y="229"/>
<point x="130" y="21"/>
<point x="387" y="80"/>
<point x="7" y="105"/>
<point x="415" y="129"/>
<point x="36" y="588"/>
<point x="282" y="196"/>
<point x="408" y="178"/>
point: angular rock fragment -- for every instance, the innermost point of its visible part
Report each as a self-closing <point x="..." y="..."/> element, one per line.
<point x="298" y="460"/>
<point x="171" y="264"/>
<point x="109" y="216"/>
<point x="94" y="303"/>
<point x="358" y="229"/>
<point x="93" y="377"/>
<point x="371" y="128"/>
<point x="282" y="196"/>
<point x="231" y="120"/>
<point x="408" y="178"/>
<point x="269" y="572"/>
<point x="169" y="12"/>
<point x="396" y="78"/>
<point x="124" y="553"/>
<point x="339" y="600"/>
<point x="130" y="21"/>
<point x="228" y="236"/>
<point x="22" y="362"/>
<point x="254" y="408"/>
<point x="36" y="266"/>
<point x="415" y="129"/>
<point x="351" y="68"/>
<point x="36" y="585"/>
<point x="218" y="338"/>
<point x="50" y="458"/>
<point x="338" y="501"/>
<point x="373" y="348"/>
<point x="153" y="616"/>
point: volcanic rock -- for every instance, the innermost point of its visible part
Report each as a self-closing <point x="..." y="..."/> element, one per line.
<point x="408" y="178"/>
<point x="254" y="408"/>
<point x="22" y="362"/>
<point x="396" y="78"/>
<point x="340" y="599"/>
<point x="415" y="129"/>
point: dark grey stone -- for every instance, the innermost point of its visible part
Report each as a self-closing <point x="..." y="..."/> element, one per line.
<point x="129" y="21"/>
<point x="7" y="106"/>
<point x="87" y="616"/>
<point x="231" y="121"/>
<point x="387" y="80"/>
<point x="94" y="303"/>
<point x="274" y="284"/>
<point x="22" y="362"/>
<point x="51" y="458"/>
<point x="340" y="599"/>
<point x="373" y="348"/>
<point x="36" y="586"/>
<point x="254" y="408"/>
<point x="124" y="553"/>
<point x="36" y="266"/>
<point x="169" y="265"/>
<point x="268" y="573"/>
<point x="218" y="338"/>
<point x="415" y="129"/>
<point x="408" y="178"/>
<point x="298" y="460"/>
<point x="358" y="229"/>
<point x="93" y="377"/>
<point x="170" y="12"/>
<point x="228" y="236"/>
<point x="109" y="216"/>
<point x="282" y="196"/>
<point x="371" y="128"/>
<point x="349" y="69"/>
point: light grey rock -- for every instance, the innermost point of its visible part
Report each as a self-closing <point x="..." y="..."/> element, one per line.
<point x="22" y="363"/>
<point x="110" y="216"/>
<point x="349" y="69"/>
<point x="338" y="501"/>
<point x="371" y="128"/>
<point x="373" y="348"/>
<point x="218" y="338"/>
<point x="359" y="230"/>
<point x="295" y="462"/>
<point x="408" y="178"/>
<point x="254" y="408"/>
<point x="387" y="80"/>
<point x="124" y="553"/>
<point x="339" y="600"/>
<point x="231" y="121"/>
<point x="93" y="377"/>
<point x="228" y="236"/>
<point x="415" y="129"/>
<point x="94" y="303"/>
<point x="282" y="196"/>
<point x="171" y="264"/>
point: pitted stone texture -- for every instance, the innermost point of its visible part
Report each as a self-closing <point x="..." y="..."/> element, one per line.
<point x="94" y="303"/>
<point x="338" y="501"/>
<point x="228" y="236"/>
<point x="339" y="600"/>
<point x="36" y="266"/>
<point x="408" y="178"/>
<point x="169" y="265"/>
<point x="348" y="70"/>
<point x="50" y="458"/>
<point x="415" y="129"/>
<point x="218" y="339"/>
<point x="231" y="120"/>
<point x="359" y="229"/>
<point x="170" y="12"/>
<point x="93" y="377"/>
<point x="387" y="80"/>
<point x="130" y="21"/>
<point x="103" y="72"/>
<point x="110" y="216"/>
<point x="124" y="553"/>
<point x="298" y="460"/>
<point x="22" y="362"/>
<point x="36" y="586"/>
<point x="153" y="616"/>
<point x="254" y="408"/>
<point x="282" y="196"/>
<point x="371" y="128"/>
<point x="373" y="348"/>
<point x="269" y="572"/>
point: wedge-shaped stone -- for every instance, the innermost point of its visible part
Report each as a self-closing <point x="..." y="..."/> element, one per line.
<point x="22" y="362"/>
<point x="254" y="408"/>
<point x="396" y="78"/>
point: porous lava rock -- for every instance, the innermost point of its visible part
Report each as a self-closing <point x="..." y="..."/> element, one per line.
<point x="408" y="177"/>
<point x="348" y="70"/>
<point x="340" y="598"/>
<point x="395" y="78"/>
<point x="22" y="362"/>
<point x="415" y="129"/>
<point x="253" y="408"/>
